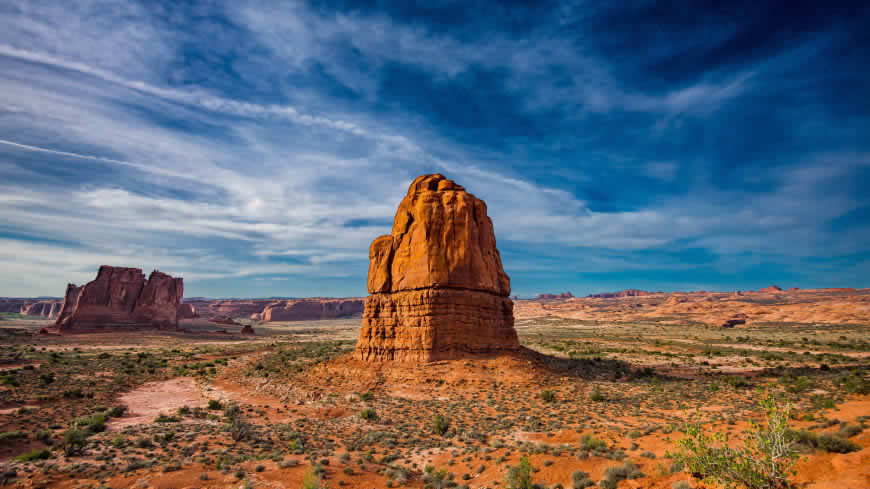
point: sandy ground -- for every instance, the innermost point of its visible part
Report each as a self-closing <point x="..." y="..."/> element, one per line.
<point x="147" y="402"/>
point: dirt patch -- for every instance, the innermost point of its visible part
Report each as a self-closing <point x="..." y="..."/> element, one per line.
<point x="147" y="402"/>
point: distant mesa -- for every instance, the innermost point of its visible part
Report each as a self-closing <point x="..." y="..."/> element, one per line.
<point x="621" y="293"/>
<point x="436" y="283"/>
<point x="562" y="296"/>
<point x="772" y="288"/>
<point x="121" y="298"/>
<point x="310" y="309"/>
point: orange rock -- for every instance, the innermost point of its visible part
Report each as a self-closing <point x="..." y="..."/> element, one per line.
<point x="438" y="289"/>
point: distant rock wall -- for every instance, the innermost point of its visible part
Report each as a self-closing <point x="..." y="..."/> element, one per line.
<point x="311" y="309"/>
<point x="563" y="295"/>
<point x="121" y="297"/>
<point x="621" y="293"/>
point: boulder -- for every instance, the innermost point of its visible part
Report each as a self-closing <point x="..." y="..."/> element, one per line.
<point x="437" y="286"/>
<point x="247" y="330"/>
<point x="121" y="297"/>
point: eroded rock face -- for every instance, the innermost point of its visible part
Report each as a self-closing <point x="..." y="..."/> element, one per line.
<point x="46" y="309"/>
<point x="310" y="309"/>
<point x="122" y="297"/>
<point x="438" y="289"/>
<point x="70" y="301"/>
<point x="186" y="311"/>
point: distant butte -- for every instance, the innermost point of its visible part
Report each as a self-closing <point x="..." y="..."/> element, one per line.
<point x="438" y="289"/>
<point x="120" y="298"/>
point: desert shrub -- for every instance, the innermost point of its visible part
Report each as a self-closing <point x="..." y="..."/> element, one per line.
<point x="765" y="461"/>
<point x="437" y="479"/>
<point x="163" y="418"/>
<point x="39" y="454"/>
<point x="312" y="479"/>
<point x="214" y="404"/>
<point x="366" y="396"/>
<point x="11" y="435"/>
<point x="115" y="412"/>
<point x="74" y="441"/>
<point x="827" y="442"/>
<point x="581" y="480"/>
<point x="440" y="424"/>
<point x="240" y="429"/>
<point x="94" y="423"/>
<point x="590" y="443"/>
<point x="680" y="485"/>
<point x="520" y="476"/>
<point x="548" y="396"/>
<point x="613" y="475"/>
<point x="368" y="414"/>
<point x="596" y="394"/>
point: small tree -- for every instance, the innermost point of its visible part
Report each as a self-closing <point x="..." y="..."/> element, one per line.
<point x="520" y="477"/>
<point x="765" y="461"/>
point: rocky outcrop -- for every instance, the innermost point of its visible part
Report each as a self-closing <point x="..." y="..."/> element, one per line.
<point x="621" y="293"/>
<point x="121" y="297"/>
<point x="772" y="288"/>
<point x="438" y="289"/>
<point x="247" y="330"/>
<point x="311" y="309"/>
<point x="70" y="301"/>
<point x="47" y="309"/>
<point x="187" y="311"/>
<point x="237" y="308"/>
<point x="548" y="297"/>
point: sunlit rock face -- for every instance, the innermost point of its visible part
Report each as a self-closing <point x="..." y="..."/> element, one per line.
<point x="438" y="289"/>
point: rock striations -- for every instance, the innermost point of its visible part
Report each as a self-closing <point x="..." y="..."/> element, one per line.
<point x="121" y="297"/>
<point x="310" y="309"/>
<point x="438" y="290"/>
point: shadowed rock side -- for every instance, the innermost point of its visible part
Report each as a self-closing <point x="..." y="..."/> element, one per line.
<point x="438" y="289"/>
<point x="122" y="297"/>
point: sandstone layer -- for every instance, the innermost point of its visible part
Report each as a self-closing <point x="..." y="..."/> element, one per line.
<point x="438" y="289"/>
<point x="310" y="309"/>
<point x="121" y="297"/>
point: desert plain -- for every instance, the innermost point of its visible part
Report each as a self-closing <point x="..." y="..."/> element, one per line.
<point x="442" y="380"/>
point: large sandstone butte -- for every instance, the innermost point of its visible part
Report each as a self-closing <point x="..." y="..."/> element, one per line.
<point x="438" y="290"/>
<point x="121" y="297"/>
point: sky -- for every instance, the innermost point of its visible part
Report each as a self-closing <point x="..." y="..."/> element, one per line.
<point x="256" y="148"/>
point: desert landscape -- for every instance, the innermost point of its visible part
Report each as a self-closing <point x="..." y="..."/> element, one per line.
<point x="436" y="379"/>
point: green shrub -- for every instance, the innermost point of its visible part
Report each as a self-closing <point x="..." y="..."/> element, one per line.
<point x="368" y="414"/>
<point x="548" y="396"/>
<point x="440" y="424"/>
<point x="581" y="480"/>
<point x="214" y="404"/>
<point x="74" y="441"/>
<point x="520" y="476"/>
<point x="765" y="461"/>
<point x="39" y="454"/>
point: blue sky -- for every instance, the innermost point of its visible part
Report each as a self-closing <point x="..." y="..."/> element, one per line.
<point x="256" y="148"/>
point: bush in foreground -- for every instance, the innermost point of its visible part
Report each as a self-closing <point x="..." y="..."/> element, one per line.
<point x="765" y="461"/>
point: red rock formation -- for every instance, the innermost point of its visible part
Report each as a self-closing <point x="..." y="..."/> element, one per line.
<point x="622" y="293"/>
<point x="122" y="297"/>
<point x="158" y="302"/>
<point x="187" y="311"/>
<point x="772" y="288"/>
<point x="247" y="330"/>
<point x="437" y="286"/>
<point x="310" y="309"/>
<point x="208" y="308"/>
<point x="46" y="309"/>
<point x="70" y="301"/>
<point x="563" y="295"/>
<point x="224" y="320"/>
